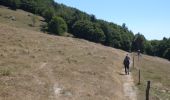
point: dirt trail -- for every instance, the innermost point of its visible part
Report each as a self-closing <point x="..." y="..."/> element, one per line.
<point x="129" y="89"/>
<point x="55" y="89"/>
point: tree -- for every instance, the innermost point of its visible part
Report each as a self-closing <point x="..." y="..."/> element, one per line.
<point x="163" y="46"/>
<point x="139" y="42"/>
<point x="88" y="30"/>
<point x="93" y="18"/>
<point x="57" y="26"/>
<point x="167" y="54"/>
<point x="14" y="4"/>
<point x="155" y="47"/>
<point x="124" y="27"/>
<point x="149" y="48"/>
<point x="125" y="43"/>
<point x="48" y="14"/>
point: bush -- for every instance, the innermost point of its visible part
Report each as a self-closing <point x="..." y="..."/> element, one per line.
<point x="57" y="26"/>
<point x="14" y="4"/>
<point x="167" y="54"/>
<point x="88" y="30"/>
<point x="48" y="14"/>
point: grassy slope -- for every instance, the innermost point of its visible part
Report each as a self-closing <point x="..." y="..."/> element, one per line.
<point x="38" y="64"/>
<point x="22" y="19"/>
<point x="34" y="65"/>
<point x="157" y="70"/>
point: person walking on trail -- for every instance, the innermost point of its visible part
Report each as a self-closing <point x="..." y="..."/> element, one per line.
<point x="138" y="53"/>
<point x="126" y="63"/>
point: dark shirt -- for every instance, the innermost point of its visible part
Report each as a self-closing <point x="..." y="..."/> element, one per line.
<point x="126" y="60"/>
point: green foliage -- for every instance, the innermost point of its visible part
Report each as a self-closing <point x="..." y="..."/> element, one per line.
<point x="100" y="31"/>
<point x="57" y="26"/>
<point x="126" y="43"/>
<point x="167" y="54"/>
<point x="155" y="48"/>
<point x="71" y="16"/>
<point x="124" y="27"/>
<point x="113" y="37"/>
<point x="139" y="43"/>
<point x="13" y="4"/>
<point x="48" y="14"/>
<point x="88" y="30"/>
<point x="148" y="48"/>
<point x="159" y="48"/>
<point x="93" y="18"/>
<point x="163" y="45"/>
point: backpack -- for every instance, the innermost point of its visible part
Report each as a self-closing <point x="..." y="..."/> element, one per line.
<point x="126" y="61"/>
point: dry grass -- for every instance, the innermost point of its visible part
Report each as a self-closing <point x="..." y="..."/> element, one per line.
<point x="37" y="66"/>
<point x="46" y="67"/>
<point x="157" y="70"/>
<point x="20" y="19"/>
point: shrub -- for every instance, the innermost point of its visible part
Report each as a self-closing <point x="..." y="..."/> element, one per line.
<point x="14" y="4"/>
<point x="57" y="26"/>
<point x="88" y="30"/>
<point x="167" y="54"/>
<point x="48" y="14"/>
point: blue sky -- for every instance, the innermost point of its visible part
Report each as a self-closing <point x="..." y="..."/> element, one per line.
<point x="149" y="17"/>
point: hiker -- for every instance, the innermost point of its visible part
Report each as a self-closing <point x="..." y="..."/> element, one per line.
<point x="126" y="63"/>
<point x="138" y="52"/>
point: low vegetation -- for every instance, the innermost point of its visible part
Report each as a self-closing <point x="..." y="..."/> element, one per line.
<point x="88" y="31"/>
<point x="57" y="26"/>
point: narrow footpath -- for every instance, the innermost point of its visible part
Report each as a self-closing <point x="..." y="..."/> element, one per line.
<point x="129" y="88"/>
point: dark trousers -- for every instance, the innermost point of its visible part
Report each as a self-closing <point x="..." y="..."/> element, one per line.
<point x="126" y="69"/>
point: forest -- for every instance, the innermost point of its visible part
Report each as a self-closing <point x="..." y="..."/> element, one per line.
<point x="62" y="19"/>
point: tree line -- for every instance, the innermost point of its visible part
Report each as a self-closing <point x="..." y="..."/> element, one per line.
<point x="61" y="19"/>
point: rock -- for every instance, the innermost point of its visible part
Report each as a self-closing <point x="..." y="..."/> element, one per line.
<point x="13" y="18"/>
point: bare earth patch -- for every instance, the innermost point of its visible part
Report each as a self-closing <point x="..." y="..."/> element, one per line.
<point x="129" y="87"/>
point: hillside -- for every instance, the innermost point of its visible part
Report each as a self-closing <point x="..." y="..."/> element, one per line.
<point x="156" y="70"/>
<point x="20" y="18"/>
<point x="62" y="19"/>
<point x="38" y="66"/>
